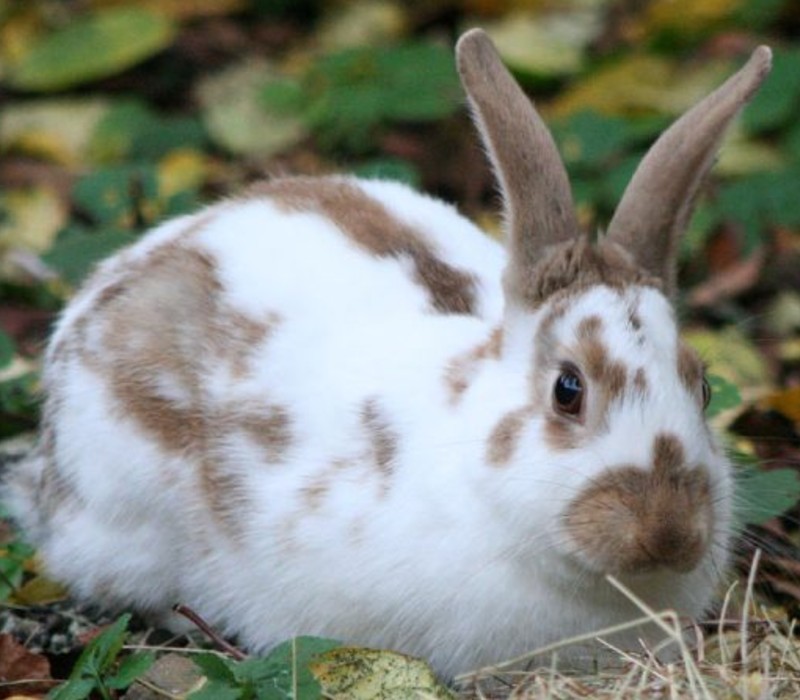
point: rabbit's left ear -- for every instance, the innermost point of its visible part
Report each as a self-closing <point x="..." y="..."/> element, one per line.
<point x="659" y="200"/>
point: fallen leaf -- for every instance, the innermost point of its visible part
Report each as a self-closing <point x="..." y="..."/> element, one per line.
<point x="56" y="129"/>
<point x="180" y="9"/>
<point x="39" y="591"/>
<point x="362" y="23"/>
<point x="237" y="119"/>
<point x="787" y="402"/>
<point x="546" y="44"/>
<point x="95" y="46"/>
<point x="640" y="83"/>
<point x="367" y="674"/>
<point x="729" y="282"/>
<point x="17" y="664"/>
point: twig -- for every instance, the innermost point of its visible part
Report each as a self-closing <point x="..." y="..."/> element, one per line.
<point x="206" y="629"/>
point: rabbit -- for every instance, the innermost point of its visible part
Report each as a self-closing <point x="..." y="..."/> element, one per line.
<point x="334" y="406"/>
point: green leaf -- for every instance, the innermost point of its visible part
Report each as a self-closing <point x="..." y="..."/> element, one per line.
<point x="761" y="495"/>
<point x="217" y="690"/>
<point x="6" y="349"/>
<point x="291" y="659"/>
<point x="74" y="256"/>
<point x="777" y="100"/>
<point x="724" y="395"/>
<point x="216" y="667"/>
<point x="104" y="43"/>
<point x="389" y="169"/>
<point x="589" y="139"/>
<point x="131" y="668"/>
<point x="116" y="195"/>
<point x="77" y="689"/>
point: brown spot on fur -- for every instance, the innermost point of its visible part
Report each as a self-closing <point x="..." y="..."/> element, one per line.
<point x="461" y="370"/>
<point x="314" y="494"/>
<point x="690" y="369"/>
<point x="156" y="367"/>
<point x="269" y="426"/>
<point x="370" y="225"/>
<point x="609" y="375"/>
<point x="640" y="381"/>
<point x="631" y="520"/>
<point x="668" y="454"/>
<point x="572" y="267"/>
<point x="560" y="433"/>
<point x="382" y="439"/>
<point x="505" y="435"/>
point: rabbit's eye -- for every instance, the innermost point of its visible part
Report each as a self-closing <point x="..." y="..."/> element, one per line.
<point x="568" y="392"/>
<point x="706" y="393"/>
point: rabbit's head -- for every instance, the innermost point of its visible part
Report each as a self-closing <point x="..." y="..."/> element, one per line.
<point x="614" y="430"/>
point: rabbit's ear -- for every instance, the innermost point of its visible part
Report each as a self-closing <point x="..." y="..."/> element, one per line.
<point x="538" y="202"/>
<point x="660" y="198"/>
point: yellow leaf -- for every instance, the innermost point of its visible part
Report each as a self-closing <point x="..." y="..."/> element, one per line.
<point x="30" y="219"/>
<point x="181" y="170"/>
<point x="58" y="130"/>
<point x="639" y="83"/>
<point x="39" y="591"/>
<point x="365" y="22"/>
<point x="733" y="356"/>
<point x="787" y="402"/>
<point x="678" y="15"/>
<point x="545" y="44"/>
<point x="348" y="673"/>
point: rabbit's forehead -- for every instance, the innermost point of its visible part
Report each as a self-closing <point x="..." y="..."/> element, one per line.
<point x="635" y="325"/>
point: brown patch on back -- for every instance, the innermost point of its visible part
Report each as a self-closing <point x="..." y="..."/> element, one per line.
<point x="690" y="368"/>
<point x="504" y="437"/>
<point x="371" y="226"/>
<point x="572" y="267"/>
<point x="382" y="439"/>
<point x="462" y="369"/>
<point x="269" y="426"/>
<point x="632" y="520"/>
<point x="152" y="333"/>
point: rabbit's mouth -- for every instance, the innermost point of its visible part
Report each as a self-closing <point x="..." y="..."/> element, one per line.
<point x="634" y="521"/>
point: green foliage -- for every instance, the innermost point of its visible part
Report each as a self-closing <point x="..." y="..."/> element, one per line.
<point x="98" y="45"/>
<point x="348" y="94"/>
<point x="724" y="395"/>
<point x="13" y="557"/>
<point x="99" y="668"/>
<point x="121" y="201"/>
<point x="282" y="675"/>
<point x="763" y="494"/>
<point x="132" y="130"/>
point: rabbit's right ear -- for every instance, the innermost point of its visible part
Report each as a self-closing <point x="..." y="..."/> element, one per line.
<point x="539" y="210"/>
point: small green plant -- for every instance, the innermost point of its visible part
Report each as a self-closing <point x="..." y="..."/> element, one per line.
<point x="347" y="95"/>
<point x="281" y="675"/>
<point x="100" y="670"/>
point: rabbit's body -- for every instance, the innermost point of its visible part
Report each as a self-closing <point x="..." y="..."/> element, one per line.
<point x="322" y="409"/>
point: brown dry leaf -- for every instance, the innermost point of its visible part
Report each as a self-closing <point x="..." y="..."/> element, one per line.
<point x="17" y="664"/>
<point x="729" y="282"/>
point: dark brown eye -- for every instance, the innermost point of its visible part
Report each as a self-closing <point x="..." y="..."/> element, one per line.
<point x="706" y="393"/>
<point x="568" y="392"/>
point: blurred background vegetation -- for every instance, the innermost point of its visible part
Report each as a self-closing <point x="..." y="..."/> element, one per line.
<point x="115" y="114"/>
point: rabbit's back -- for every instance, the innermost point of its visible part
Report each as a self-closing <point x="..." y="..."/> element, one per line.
<point x="212" y="381"/>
